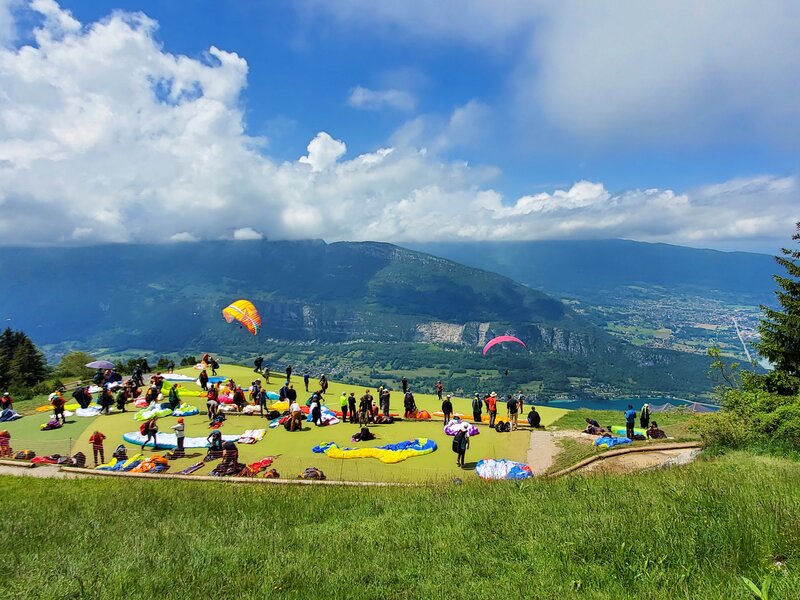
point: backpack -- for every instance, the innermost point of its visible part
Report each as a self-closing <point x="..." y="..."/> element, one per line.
<point x="143" y="428"/>
<point x="457" y="441"/>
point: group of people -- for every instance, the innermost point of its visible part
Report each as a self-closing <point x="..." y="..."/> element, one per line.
<point x="651" y="428"/>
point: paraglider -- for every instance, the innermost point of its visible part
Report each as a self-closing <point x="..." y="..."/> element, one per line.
<point x="499" y="340"/>
<point x="244" y="312"/>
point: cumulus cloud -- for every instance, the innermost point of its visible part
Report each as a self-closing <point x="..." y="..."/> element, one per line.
<point x="323" y="152"/>
<point x="104" y="136"/>
<point x="367" y="99"/>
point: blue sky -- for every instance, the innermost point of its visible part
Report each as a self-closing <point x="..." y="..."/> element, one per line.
<point x="506" y="120"/>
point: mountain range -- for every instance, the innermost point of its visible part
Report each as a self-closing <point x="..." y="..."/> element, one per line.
<point x="395" y="305"/>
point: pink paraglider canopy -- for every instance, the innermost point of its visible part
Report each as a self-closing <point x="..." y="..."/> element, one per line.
<point x="499" y="340"/>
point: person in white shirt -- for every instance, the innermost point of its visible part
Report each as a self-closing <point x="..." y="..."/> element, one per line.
<point x="297" y="417"/>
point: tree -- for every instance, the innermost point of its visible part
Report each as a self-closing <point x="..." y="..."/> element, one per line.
<point x="780" y="329"/>
<point x="73" y="364"/>
<point x="28" y="366"/>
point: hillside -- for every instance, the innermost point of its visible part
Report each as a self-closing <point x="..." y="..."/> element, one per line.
<point x="387" y="302"/>
<point x="583" y="267"/>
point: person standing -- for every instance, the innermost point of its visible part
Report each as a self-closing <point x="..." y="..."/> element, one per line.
<point x="289" y="373"/>
<point x="266" y="374"/>
<point x="385" y="400"/>
<point x="364" y="406"/>
<point x="439" y="389"/>
<point x="96" y="440"/>
<point x="644" y="416"/>
<point x="171" y="366"/>
<point x="512" y="405"/>
<point x="180" y="434"/>
<point x="262" y="401"/>
<point x="409" y="405"/>
<point x="477" y="408"/>
<point x="630" y="421"/>
<point x="520" y="401"/>
<point x="447" y="409"/>
<point x="461" y="443"/>
<point x="323" y="384"/>
<point x="316" y="410"/>
<point x="404" y="384"/>
<point x="105" y="401"/>
<point x="306" y="379"/>
<point x="174" y="399"/>
<point x="257" y="364"/>
<point x="214" y="366"/>
<point x="491" y="404"/>
<point x="291" y="394"/>
<point x="255" y="391"/>
<point x="204" y="380"/>
<point x="343" y="406"/>
<point x="351" y="404"/>
<point x="212" y="402"/>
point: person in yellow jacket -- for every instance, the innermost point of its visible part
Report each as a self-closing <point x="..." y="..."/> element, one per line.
<point x="343" y="405"/>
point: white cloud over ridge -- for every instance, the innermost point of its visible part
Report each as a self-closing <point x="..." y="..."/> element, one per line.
<point x="105" y="137"/>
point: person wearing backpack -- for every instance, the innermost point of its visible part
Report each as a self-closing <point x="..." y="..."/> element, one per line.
<point x="477" y="408"/>
<point x="149" y="429"/>
<point x="461" y="443"/>
<point x="180" y="433"/>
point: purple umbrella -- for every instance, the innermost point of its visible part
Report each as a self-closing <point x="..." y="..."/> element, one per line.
<point x="100" y="364"/>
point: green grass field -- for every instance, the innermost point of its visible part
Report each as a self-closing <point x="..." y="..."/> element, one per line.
<point x="294" y="449"/>
<point x="678" y="533"/>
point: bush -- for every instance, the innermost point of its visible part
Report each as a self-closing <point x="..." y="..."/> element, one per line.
<point x="188" y="361"/>
<point x="723" y="429"/>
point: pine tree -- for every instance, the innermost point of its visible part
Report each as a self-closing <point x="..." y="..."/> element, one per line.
<point x="780" y="329"/>
<point x="21" y="363"/>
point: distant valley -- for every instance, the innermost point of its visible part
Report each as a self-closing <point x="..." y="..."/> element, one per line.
<point x="653" y="295"/>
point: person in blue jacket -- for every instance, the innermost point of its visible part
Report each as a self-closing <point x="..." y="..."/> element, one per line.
<point x="630" y="421"/>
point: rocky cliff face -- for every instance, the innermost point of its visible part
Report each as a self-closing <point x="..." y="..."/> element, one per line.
<point x="536" y="337"/>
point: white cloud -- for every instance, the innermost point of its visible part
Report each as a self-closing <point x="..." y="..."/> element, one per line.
<point x="247" y="233"/>
<point x="323" y="152"/>
<point x="640" y="72"/>
<point x="367" y="99"/>
<point x="7" y="28"/>
<point x="104" y="136"/>
<point x="183" y="236"/>
<point x="467" y="125"/>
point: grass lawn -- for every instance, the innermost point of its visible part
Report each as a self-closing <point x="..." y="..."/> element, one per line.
<point x="677" y="533"/>
<point x="294" y="449"/>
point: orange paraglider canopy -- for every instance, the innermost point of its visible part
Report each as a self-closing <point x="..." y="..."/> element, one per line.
<point x="244" y="312"/>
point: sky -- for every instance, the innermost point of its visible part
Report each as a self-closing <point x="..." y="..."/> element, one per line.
<point x="179" y="122"/>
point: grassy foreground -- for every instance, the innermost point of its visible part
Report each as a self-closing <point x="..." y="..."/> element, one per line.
<point x="680" y="533"/>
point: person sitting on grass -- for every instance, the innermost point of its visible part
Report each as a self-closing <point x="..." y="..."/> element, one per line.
<point x="296" y="422"/>
<point x="534" y="418"/>
<point x="5" y="444"/>
<point x="214" y="440"/>
<point x="654" y="433"/>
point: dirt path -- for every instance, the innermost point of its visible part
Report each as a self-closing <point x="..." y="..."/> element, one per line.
<point x="542" y="450"/>
<point x="38" y="471"/>
<point x="641" y="461"/>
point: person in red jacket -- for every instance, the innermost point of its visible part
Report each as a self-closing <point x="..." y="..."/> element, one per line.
<point x="491" y="404"/>
<point x="96" y="440"/>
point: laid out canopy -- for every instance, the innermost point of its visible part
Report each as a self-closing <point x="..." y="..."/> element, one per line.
<point x="499" y="340"/>
<point x="244" y="312"/>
